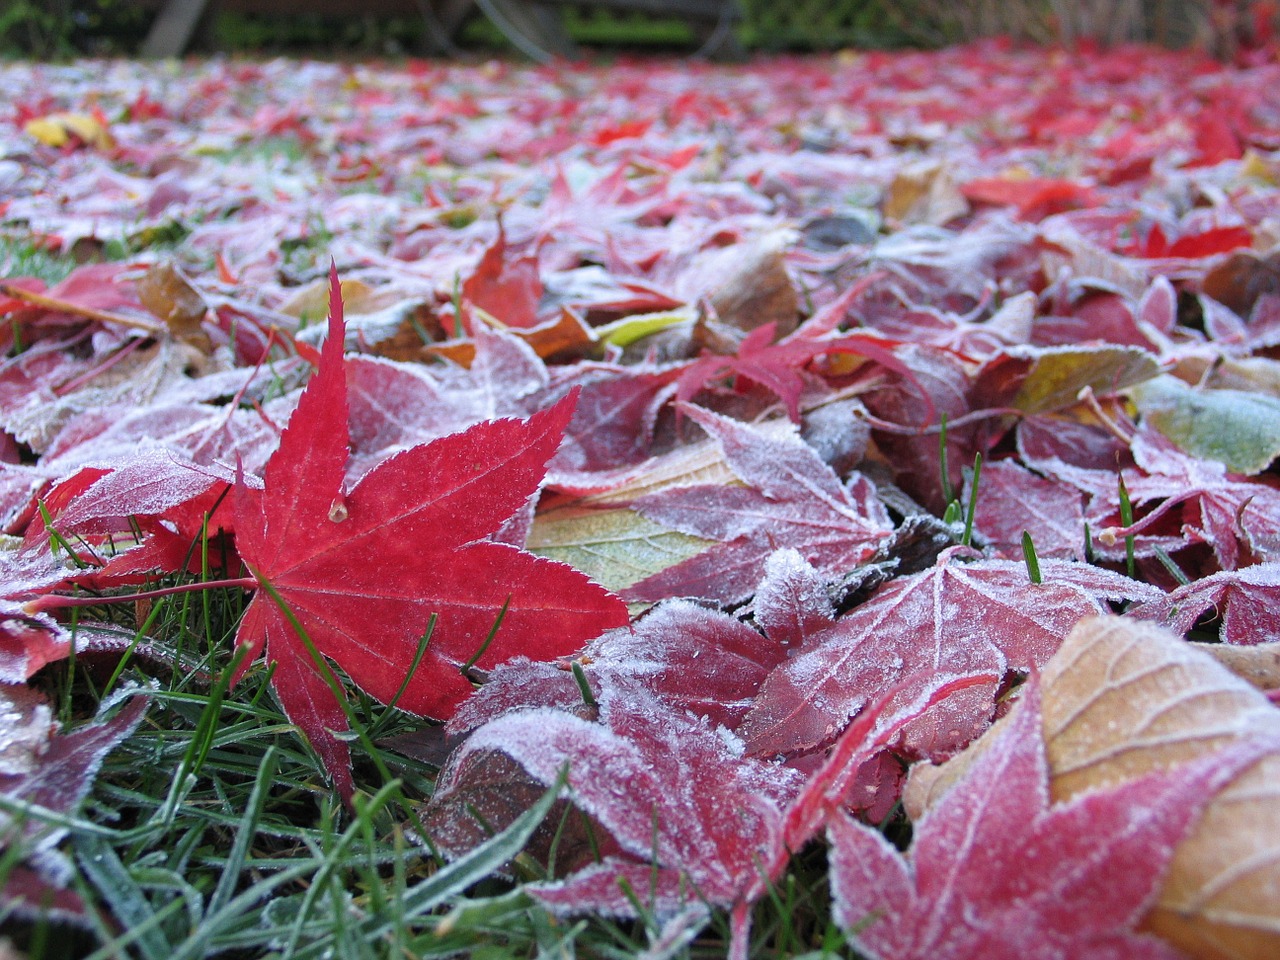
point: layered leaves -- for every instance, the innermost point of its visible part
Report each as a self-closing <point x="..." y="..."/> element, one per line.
<point x="980" y="617"/>
<point x="998" y="870"/>
<point x="792" y="499"/>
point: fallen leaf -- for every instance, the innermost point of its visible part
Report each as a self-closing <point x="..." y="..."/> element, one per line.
<point x="1242" y="278"/>
<point x="1034" y="197"/>
<point x="357" y="574"/>
<point x="1238" y="519"/>
<point x="1124" y="700"/>
<point x="53" y="771"/>
<point x="62" y="129"/>
<point x="1059" y="374"/>
<point x="1258" y="665"/>
<point x="1240" y="430"/>
<point x="999" y="869"/>
<point x="167" y="292"/>
<point x="962" y="616"/>
<point x="504" y="286"/>
<point x="791" y="499"/>
<point x="616" y="547"/>
<point x="924" y="192"/>
<point x="1012" y="501"/>
<point x="1245" y="602"/>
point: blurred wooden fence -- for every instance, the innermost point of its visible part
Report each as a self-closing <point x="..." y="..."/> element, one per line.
<point x="795" y="24"/>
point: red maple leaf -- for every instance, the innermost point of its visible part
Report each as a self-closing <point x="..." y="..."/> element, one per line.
<point x="687" y="818"/>
<point x="357" y="574"/>
<point x="996" y="871"/>
<point x="1035" y="197"/>
<point x="778" y="366"/>
<point x="1247" y="601"/>
<point x="508" y="288"/>
<point x="794" y="499"/>
<point x="957" y="617"/>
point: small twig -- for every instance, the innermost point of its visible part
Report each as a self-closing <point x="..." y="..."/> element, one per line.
<point x="76" y="309"/>
<point x="54" y="601"/>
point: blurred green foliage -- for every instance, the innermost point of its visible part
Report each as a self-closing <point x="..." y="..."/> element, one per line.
<point x="48" y="29"/>
<point x="45" y="29"/>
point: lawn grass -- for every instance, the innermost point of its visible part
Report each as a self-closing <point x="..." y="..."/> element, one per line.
<point x="20" y="256"/>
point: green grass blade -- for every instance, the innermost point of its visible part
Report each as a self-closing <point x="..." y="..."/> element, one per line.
<point x="944" y="466"/>
<point x="1029" y="555"/>
<point x="129" y="905"/>
<point x="967" y="539"/>
<point x="453" y="879"/>
<point x="580" y="676"/>
<point x="245" y="832"/>
<point x="1126" y="520"/>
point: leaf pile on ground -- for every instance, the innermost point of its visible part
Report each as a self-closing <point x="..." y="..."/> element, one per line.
<point x="718" y="448"/>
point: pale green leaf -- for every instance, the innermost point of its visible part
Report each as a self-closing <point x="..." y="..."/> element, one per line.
<point x="1239" y="429"/>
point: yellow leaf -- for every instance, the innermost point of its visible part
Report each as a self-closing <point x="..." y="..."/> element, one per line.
<point x="47" y="131"/>
<point x="57" y="129"/>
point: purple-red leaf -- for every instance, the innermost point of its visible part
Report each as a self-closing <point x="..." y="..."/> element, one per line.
<point x="959" y="617"/>
<point x="793" y="499"/>
<point x="996" y="871"/>
<point x="1246" y="601"/>
<point x="53" y="771"/>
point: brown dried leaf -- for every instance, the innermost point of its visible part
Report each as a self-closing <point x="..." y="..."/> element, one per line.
<point x="924" y="193"/>
<point x="1242" y="278"/>
<point x="748" y="284"/>
<point x="1258" y="664"/>
<point x="165" y="290"/>
<point x="1123" y="698"/>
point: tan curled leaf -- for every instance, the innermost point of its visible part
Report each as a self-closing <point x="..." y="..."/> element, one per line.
<point x="1124" y="698"/>
<point x="924" y="192"/>
<point x="167" y="292"/>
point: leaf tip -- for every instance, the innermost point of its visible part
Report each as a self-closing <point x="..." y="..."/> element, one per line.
<point x="337" y="323"/>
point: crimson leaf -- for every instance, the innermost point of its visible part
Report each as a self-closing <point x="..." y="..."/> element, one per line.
<point x="358" y="574"/>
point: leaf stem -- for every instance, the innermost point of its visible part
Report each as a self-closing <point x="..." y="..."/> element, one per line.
<point x="55" y="601"/>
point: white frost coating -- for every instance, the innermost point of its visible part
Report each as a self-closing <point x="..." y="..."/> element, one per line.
<point x="146" y="484"/>
<point x="792" y="601"/>
<point x="26" y="724"/>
